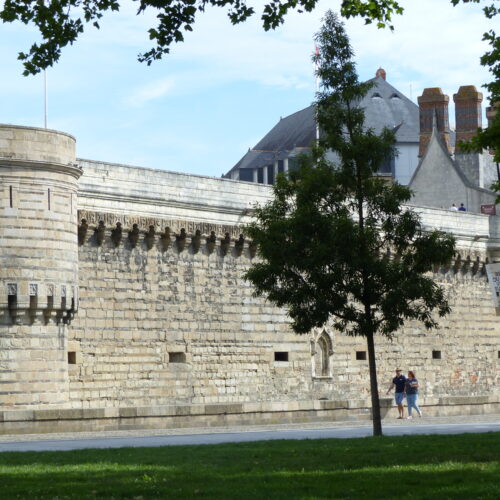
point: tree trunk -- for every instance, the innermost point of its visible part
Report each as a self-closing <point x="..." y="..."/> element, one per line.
<point x="377" y="421"/>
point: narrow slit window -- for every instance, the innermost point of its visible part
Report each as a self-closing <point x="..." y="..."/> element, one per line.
<point x="280" y="356"/>
<point x="176" y="357"/>
<point x="48" y="198"/>
<point x="361" y="355"/>
<point x="10" y="197"/>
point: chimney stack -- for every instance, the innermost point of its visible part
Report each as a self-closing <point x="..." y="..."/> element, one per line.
<point x="467" y="113"/>
<point x="433" y="104"/>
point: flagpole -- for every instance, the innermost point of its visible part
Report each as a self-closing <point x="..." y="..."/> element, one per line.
<point x="45" y="96"/>
<point x="316" y="66"/>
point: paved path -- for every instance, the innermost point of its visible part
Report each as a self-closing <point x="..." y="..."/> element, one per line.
<point x="196" y="436"/>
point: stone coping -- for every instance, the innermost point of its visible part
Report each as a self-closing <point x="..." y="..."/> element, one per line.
<point x="7" y="126"/>
<point x="27" y="415"/>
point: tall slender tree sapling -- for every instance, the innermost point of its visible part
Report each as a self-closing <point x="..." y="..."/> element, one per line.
<point x="336" y="243"/>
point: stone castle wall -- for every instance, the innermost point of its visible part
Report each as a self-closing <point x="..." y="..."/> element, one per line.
<point x="177" y="324"/>
<point x="136" y="307"/>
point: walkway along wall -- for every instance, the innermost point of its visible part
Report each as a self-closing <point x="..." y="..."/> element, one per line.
<point x="165" y="331"/>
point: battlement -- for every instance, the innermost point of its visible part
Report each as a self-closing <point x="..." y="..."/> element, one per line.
<point x="107" y="229"/>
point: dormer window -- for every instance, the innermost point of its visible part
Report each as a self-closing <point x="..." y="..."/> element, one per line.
<point x="395" y="96"/>
<point x="375" y="95"/>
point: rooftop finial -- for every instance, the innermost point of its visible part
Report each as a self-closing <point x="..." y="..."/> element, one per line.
<point x="381" y="72"/>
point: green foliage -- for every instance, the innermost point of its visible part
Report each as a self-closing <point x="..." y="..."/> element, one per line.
<point x="61" y="22"/>
<point x="489" y="138"/>
<point x="389" y="468"/>
<point x="335" y="241"/>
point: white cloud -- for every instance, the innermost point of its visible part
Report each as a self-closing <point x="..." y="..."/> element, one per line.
<point x="150" y="92"/>
<point x="224" y="83"/>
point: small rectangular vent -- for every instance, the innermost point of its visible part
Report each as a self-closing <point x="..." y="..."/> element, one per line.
<point x="361" y="355"/>
<point x="436" y="354"/>
<point x="176" y="357"/>
<point x="280" y="356"/>
<point x="71" y="358"/>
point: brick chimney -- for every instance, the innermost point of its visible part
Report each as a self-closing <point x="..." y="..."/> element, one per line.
<point x="467" y="113"/>
<point x="433" y="104"/>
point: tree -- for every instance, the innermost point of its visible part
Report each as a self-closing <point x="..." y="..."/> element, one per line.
<point x="335" y="242"/>
<point x="60" y="22"/>
<point x="489" y="138"/>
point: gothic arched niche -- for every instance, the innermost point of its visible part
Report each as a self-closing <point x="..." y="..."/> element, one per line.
<point x="322" y="351"/>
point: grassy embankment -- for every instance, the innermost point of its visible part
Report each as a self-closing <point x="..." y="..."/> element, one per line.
<point x="417" y="467"/>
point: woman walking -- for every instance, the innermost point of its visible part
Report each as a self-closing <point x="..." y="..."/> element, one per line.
<point x="411" y="389"/>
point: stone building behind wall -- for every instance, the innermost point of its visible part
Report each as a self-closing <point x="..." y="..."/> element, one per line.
<point x="122" y="303"/>
<point x="447" y="175"/>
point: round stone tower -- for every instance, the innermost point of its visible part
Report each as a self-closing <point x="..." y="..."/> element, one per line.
<point x="38" y="264"/>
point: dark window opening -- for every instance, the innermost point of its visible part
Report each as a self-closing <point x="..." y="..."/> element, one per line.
<point x="388" y="166"/>
<point x="361" y="355"/>
<point x="176" y="357"/>
<point x="281" y="166"/>
<point x="280" y="356"/>
<point x="498" y="354"/>
<point x="293" y="163"/>
<point x="376" y="94"/>
<point x="48" y="198"/>
<point x="260" y="176"/>
<point x="436" y="354"/>
<point x="71" y="358"/>
<point x="12" y="301"/>
<point x="246" y="174"/>
<point x="10" y="197"/>
<point x="270" y="174"/>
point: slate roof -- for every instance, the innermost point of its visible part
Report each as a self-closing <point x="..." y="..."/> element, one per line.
<point x="384" y="106"/>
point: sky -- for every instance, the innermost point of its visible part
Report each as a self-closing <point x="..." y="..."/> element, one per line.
<point x="218" y="93"/>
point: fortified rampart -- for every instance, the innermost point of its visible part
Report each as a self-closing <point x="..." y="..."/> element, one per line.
<point x="141" y="316"/>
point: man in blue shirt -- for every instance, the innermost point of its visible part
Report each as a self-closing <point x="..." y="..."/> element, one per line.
<point x="398" y="382"/>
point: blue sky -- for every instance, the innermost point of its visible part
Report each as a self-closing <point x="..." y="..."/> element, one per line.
<point x="201" y="107"/>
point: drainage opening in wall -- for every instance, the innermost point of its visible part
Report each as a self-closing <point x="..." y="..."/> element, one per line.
<point x="71" y="358"/>
<point x="436" y="354"/>
<point x="361" y="355"/>
<point x="176" y="357"/>
<point x="280" y="356"/>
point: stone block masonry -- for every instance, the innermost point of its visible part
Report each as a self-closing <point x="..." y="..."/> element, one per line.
<point x="123" y="304"/>
<point x="168" y="326"/>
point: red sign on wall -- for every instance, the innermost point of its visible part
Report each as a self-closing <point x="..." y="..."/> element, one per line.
<point x="488" y="209"/>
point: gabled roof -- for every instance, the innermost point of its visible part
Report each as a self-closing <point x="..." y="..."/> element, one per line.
<point x="384" y="106"/>
<point x="436" y="168"/>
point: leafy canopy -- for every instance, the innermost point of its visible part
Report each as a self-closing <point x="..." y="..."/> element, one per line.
<point x="60" y="22"/>
<point x="335" y="242"/>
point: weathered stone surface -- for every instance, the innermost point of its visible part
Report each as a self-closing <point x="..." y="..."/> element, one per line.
<point x="143" y="331"/>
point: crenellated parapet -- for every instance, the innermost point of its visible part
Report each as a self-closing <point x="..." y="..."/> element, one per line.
<point x="107" y="230"/>
<point x="115" y="230"/>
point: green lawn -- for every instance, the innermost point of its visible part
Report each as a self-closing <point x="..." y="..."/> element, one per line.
<point x="424" y="467"/>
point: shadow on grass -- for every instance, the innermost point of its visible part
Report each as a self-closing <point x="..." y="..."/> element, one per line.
<point x="416" y="467"/>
